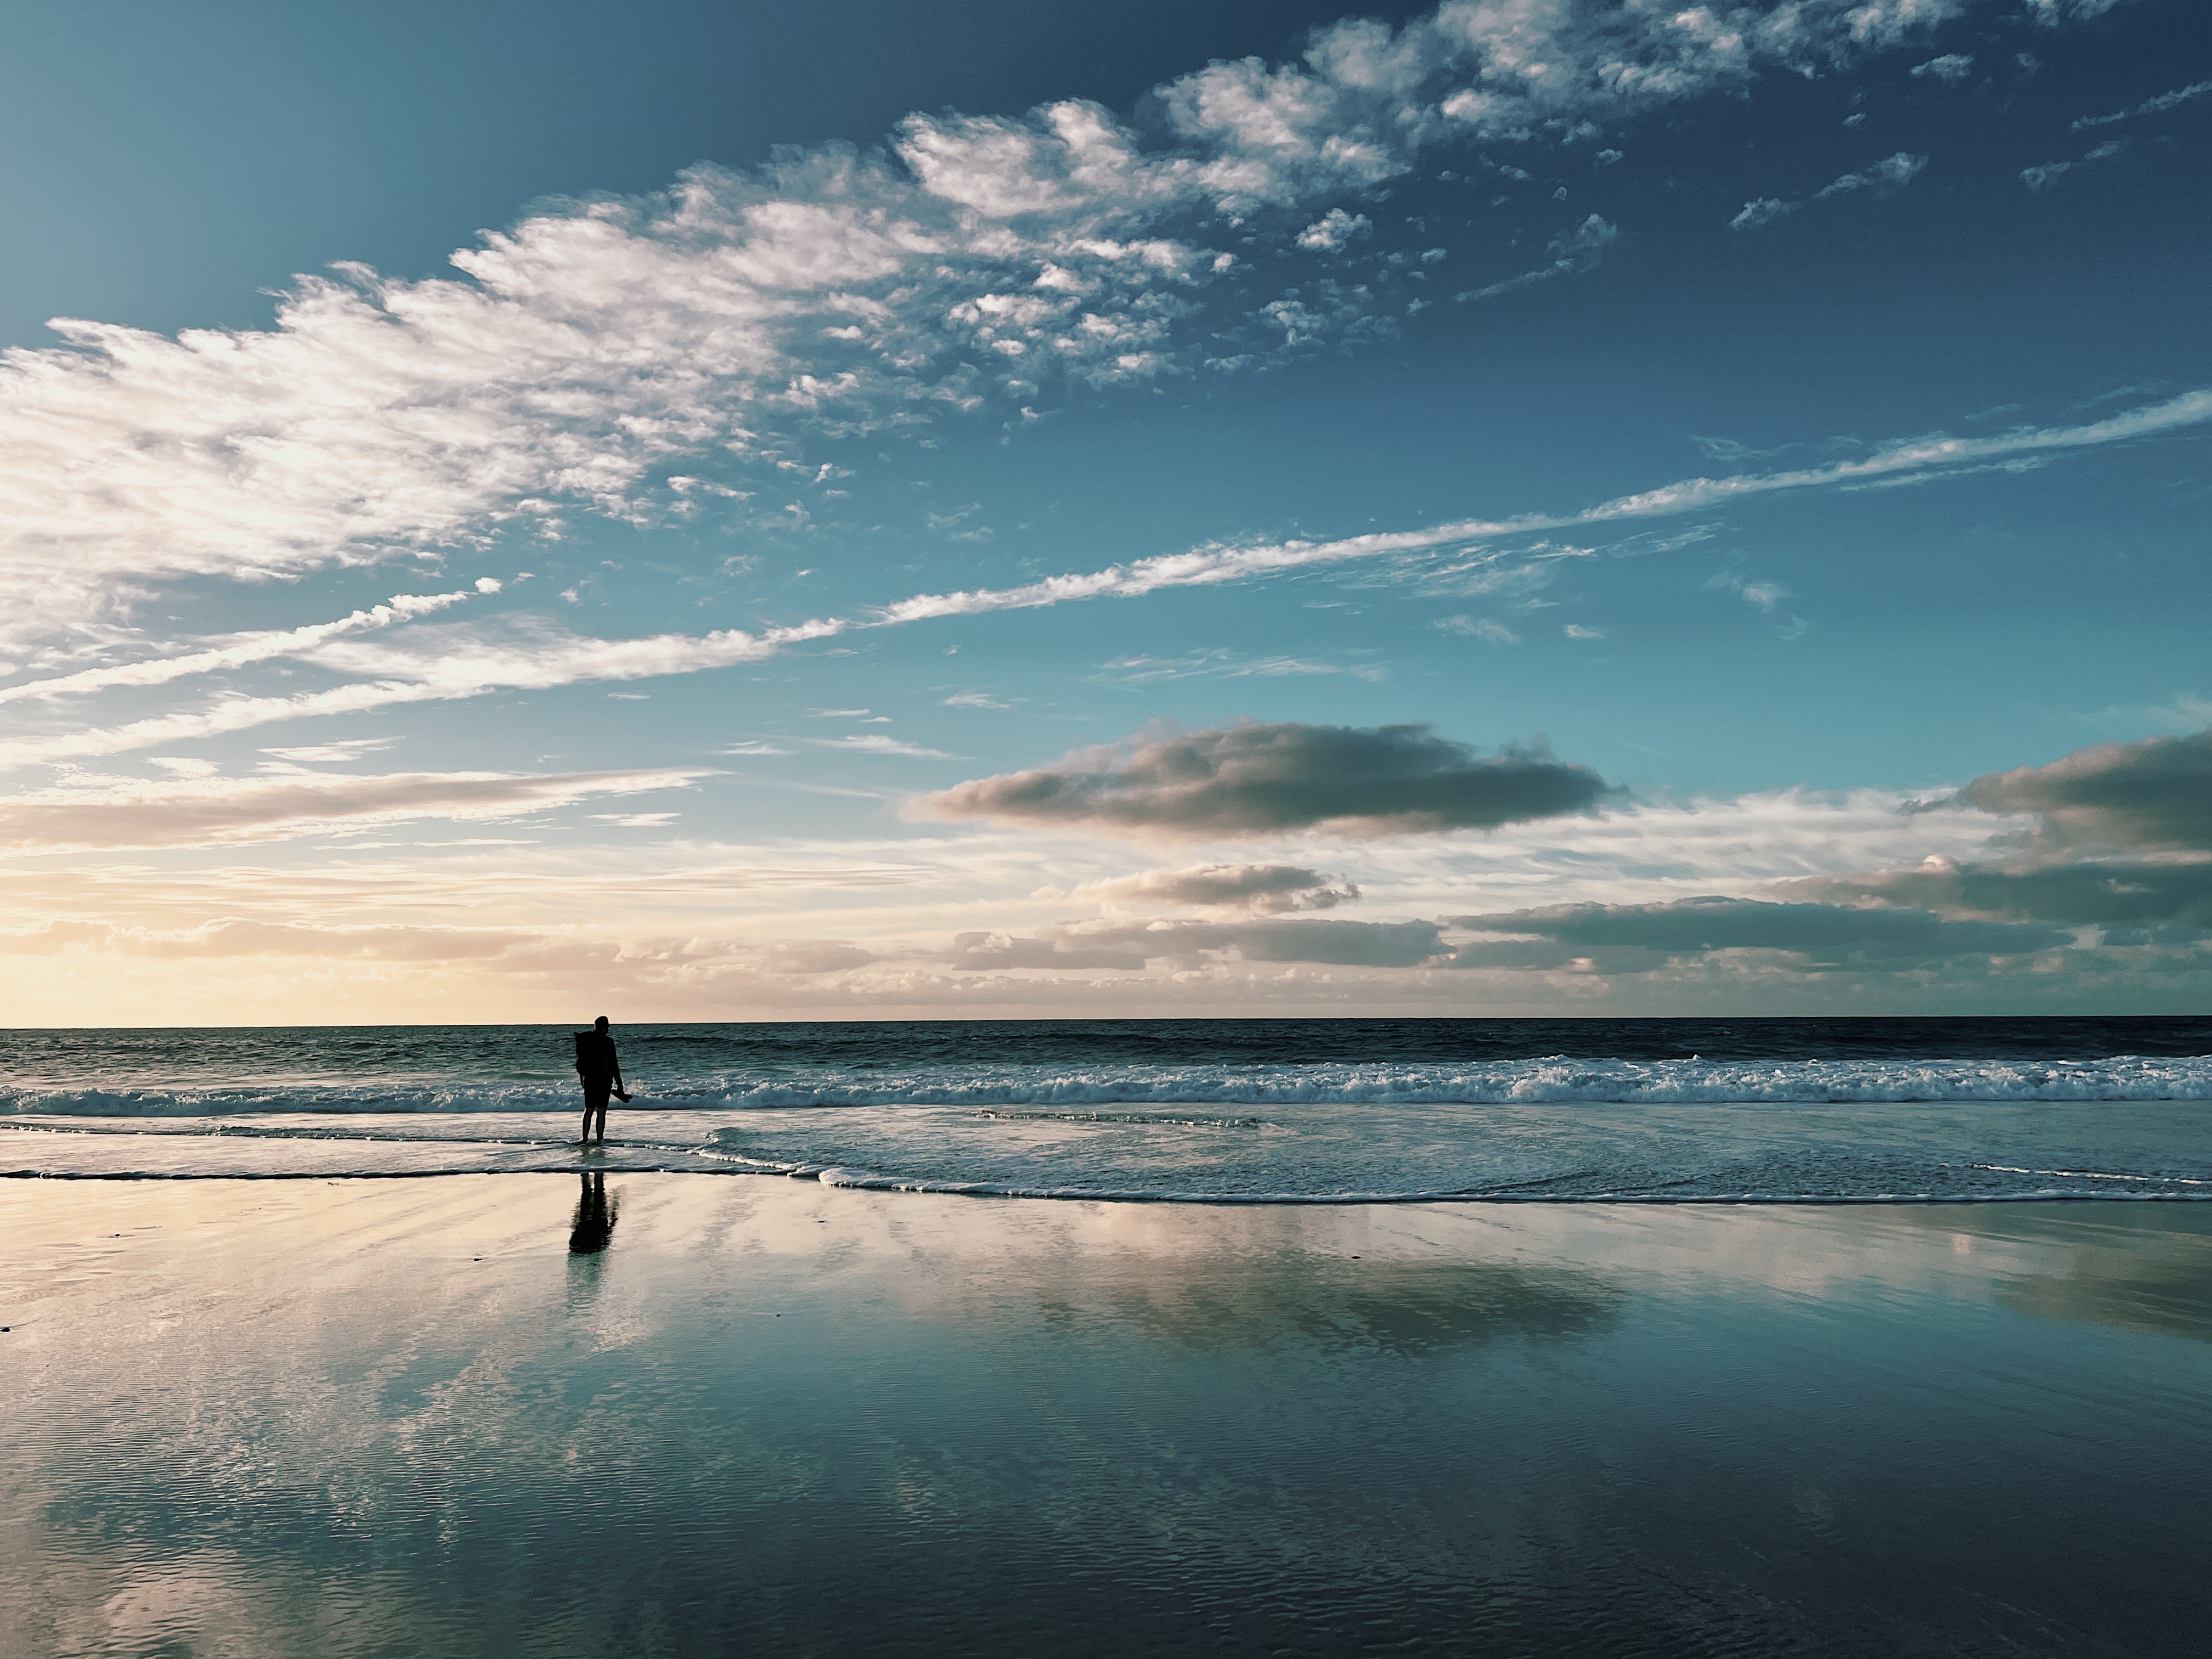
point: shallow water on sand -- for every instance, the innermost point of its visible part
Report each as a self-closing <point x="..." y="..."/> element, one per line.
<point x="1247" y="1111"/>
<point x="485" y="1415"/>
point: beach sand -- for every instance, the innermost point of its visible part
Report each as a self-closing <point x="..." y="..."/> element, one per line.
<point x="401" y="1417"/>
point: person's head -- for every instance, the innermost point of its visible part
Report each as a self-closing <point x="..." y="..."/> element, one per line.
<point x="600" y="1024"/>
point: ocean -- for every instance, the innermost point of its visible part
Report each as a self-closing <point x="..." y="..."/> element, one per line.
<point x="1832" y="1111"/>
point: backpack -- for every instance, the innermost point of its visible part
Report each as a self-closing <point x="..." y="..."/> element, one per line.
<point x="592" y="1057"/>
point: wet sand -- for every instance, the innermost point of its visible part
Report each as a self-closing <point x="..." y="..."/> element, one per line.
<point x="369" y="1417"/>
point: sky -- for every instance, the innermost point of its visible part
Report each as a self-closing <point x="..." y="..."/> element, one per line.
<point x="741" y="511"/>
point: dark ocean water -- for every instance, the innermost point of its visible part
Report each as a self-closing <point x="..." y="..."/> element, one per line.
<point x="1219" y="1110"/>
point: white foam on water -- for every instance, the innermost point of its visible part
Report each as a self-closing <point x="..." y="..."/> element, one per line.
<point x="1548" y="1079"/>
<point x="1552" y="1129"/>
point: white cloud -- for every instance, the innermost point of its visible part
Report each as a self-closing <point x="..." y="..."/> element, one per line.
<point x="533" y="952"/>
<point x="875" y="742"/>
<point x="902" y="898"/>
<point x="1764" y="211"/>
<point x="2158" y="106"/>
<point x="582" y="353"/>
<point x="2050" y="172"/>
<point x="1487" y="629"/>
<point x="1950" y="69"/>
<point x="1227" y="664"/>
<point x="349" y="749"/>
<point x="1334" y="230"/>
<point x="1929" y="456"/>
<point x="1766" y="596"/>
<point x="461" y="667"/>
<point x="2052" y="13"/>
<point x="460" y="663"/>
<point x="241" y="651"/>
<point x="1892" y="173"/>
<point x="87" y="811"/>
<point x="1884" y="177"/>
<point x="1573" y="252"/>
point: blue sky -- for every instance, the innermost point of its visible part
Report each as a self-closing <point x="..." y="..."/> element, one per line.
<point x="1514" y="508"/>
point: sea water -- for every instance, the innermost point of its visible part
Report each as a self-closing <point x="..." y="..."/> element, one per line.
<point x="1212" y="1111"/>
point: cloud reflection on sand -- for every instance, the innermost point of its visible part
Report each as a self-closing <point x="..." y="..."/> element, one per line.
<point x="1328" y="1304"/>
<point x="367" y="1415"/>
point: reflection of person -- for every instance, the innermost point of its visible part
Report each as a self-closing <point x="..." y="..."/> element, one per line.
<point x="601" y="1073"/>
<point x="594" y="1225"/>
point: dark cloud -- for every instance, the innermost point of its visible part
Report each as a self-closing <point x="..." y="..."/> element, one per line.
<point x="2169" y="899"/>
<point x="2147" y="806"/>
<point x="1268" y="889"/>
<point x="2156" y="793"/>
<point x="1254" y="780"/>
<point x="1632" y="938"/>
<point x="1132" y="945"/>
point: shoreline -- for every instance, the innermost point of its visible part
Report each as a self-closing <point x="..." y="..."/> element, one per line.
<point x="1200" y="1200"/>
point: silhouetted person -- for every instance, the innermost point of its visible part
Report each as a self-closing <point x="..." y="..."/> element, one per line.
<point x="594" y="1224"/>
<point x="601" y="1072"/>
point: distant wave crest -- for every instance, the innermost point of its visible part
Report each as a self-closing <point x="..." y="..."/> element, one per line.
<point x="1553" y="1079"/>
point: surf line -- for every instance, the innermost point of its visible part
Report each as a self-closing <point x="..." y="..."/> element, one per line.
<point x="2086" y="1175"/>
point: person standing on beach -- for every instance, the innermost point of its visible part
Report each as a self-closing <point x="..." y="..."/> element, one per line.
<point x="600" y="1071"/>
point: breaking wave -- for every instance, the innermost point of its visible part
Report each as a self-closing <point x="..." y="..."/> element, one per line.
<point x="1547" y="1079"/>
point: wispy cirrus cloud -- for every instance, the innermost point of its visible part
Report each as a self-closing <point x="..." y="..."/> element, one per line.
<point x="1931" y="456"/>
<point x="2157" y="105"/>
<point x="2043" y="176"/>
<point x="244" y="650"/>
<point x="101" y="813"/>
<point x="875" y="742"/>
<point x="327" y="753"/>
<point x="1890" y="174"/>
<point x="1225" y="664"/>
<point x="1573" y="252"/>
<point x="1762" y="211"/>
<point x="465" y="667"/>
<point x="582" y="354"/>
<point x="459" y="664"/>
<point x="1488" y="629"/>
<point x="1951" y="68"/>
<point x="498" y="950"/>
